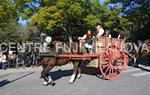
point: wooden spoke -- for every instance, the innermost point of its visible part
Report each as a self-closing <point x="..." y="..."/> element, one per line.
<point x="104" y="66"/>
<point x="107" y="70"/>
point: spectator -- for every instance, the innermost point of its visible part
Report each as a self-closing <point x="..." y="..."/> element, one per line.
<point x="12" y="59"/>
<point x="1" y="56"/>
<point x="4" y="61"/>
<point x="34" y="58"/>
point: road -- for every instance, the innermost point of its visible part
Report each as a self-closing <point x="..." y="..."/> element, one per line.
<point x="134" y="81"/>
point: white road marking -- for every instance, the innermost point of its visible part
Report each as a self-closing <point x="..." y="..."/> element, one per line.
<point x="128" y="67"/>
<point x="132" y="70"/>
<point x="144" y="67"/>
<point x="141" y="74"/>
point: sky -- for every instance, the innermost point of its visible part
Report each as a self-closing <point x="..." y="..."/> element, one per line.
<point x="101" y="1"/>
<point x="22" y="22"/>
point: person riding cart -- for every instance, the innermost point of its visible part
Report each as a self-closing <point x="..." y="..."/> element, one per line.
<point x="100" y="30"/>
<point x="88" y="37"/>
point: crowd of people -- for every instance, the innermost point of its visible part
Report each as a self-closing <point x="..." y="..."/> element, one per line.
<point x="13" y="60"/>
<point x="7" y="60"/>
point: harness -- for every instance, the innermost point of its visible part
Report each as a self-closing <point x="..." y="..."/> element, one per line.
<point x="56" y="56"/>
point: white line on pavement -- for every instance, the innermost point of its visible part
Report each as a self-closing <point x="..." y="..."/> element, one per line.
<point x="128" y="67"/>
<point x="141" y="74"/>
<point x="132" y="70"/>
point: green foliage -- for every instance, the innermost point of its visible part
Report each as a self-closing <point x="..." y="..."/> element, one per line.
<point x="9" y="32"/>
<point x="71" y="18"/>
<point x="67" y="15"/>
<point x="7" y="11"/>
<point x="91" y="20"/>
<point x="8" y="21"/>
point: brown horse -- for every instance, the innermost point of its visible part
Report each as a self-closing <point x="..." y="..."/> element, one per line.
<point x="143" y="51"/>
<point x="53" y="59"/>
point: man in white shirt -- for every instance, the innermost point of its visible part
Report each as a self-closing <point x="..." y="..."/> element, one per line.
<point x="100" y="30"/>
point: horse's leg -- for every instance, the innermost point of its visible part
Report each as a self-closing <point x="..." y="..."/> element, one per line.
<point x="79" y="71"/>
<point x="75" y="71"/>
<point x="135" y="61"/>
<point x="46" y="77"/>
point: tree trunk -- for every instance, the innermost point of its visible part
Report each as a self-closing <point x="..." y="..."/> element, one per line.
<point x="70" y="39"/>
<point x="68" y="34"/>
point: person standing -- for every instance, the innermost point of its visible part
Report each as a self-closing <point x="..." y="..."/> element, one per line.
<point x="1" y="57"/>
<point x="12" y="59"/>
<point x="4" y="62"/>
<point x="34" y="58"/>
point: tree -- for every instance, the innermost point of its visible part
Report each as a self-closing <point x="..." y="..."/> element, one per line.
<point x="7" y="11"/>
<point x="67" y="16"/>
<point x="138" y="12"/>
<point x="71" y="18"/>
<point x="8" y="21"/>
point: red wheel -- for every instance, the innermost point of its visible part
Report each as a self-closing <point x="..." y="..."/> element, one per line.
<point x="112" y="62"/>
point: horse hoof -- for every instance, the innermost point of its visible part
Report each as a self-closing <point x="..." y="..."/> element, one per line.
<point x="79" y="76"/>
<point x="45" y="83"/>
<point x="71" y="82"/>
<point x="52" y="83"/>
<point x="100" y="76"/>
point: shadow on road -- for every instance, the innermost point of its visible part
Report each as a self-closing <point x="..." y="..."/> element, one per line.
<point x="60" y="73"/>
<point x="6" y="81"/>
<point x="90" y="70"/>
<point x="63" y="73"/>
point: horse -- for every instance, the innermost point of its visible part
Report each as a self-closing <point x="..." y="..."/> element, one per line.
<point x="53" y="60"/>
<point x="144" y="51"/>
<point x="138" y="51"/>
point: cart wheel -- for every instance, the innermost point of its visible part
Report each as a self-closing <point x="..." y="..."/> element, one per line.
<point x="112" y="62"/>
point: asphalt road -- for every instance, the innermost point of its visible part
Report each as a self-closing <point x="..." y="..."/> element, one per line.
<point x="134" y="81"/>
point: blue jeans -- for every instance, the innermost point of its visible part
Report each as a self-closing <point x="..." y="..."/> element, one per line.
<point x="34" y="59"/>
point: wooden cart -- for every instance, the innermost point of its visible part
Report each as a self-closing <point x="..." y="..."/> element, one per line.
<point x="108" y="56"/>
